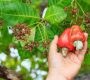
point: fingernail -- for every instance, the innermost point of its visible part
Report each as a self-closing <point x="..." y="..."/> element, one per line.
<point x="55" y="36"/>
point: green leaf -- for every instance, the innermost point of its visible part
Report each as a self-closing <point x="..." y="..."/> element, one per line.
<point x="55" y="14"/>
<point x="17" y="12"/>
<point x="38" y="34"/>
<point x="10" y="0"/>
<point x="5" y="39"/>
<point x="23" y="53"/>
<point x="84" y="5"/>
<point x="53" y="2"/>
<point x="50" y="33"/>
<point x="87" y="1"/>
<point x="82" y="27"/>
<point x="62" y="3"/>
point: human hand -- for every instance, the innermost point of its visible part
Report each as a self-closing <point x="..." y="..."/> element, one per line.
<point x="64" y="68"/>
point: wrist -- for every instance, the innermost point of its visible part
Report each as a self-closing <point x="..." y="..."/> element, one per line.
<point x="52" y="75"/>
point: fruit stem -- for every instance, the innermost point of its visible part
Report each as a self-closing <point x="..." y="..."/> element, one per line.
<point x="64" y="51"/>
<point x="78" y="44"/>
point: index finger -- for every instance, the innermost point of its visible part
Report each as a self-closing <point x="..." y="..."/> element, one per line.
<point x="83" y="51"/>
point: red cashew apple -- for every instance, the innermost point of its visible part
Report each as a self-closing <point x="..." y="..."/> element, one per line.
<point x="65" y="43"/>
<point x="77" y="37"/>
<point x="70" y="39"/>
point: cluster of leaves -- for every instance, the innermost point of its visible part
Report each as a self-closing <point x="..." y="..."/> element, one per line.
<point x="14" y="13"/>
<point x="59" y="15"/>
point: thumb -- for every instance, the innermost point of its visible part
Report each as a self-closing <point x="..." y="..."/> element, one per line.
<point x="53" y="46"/>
